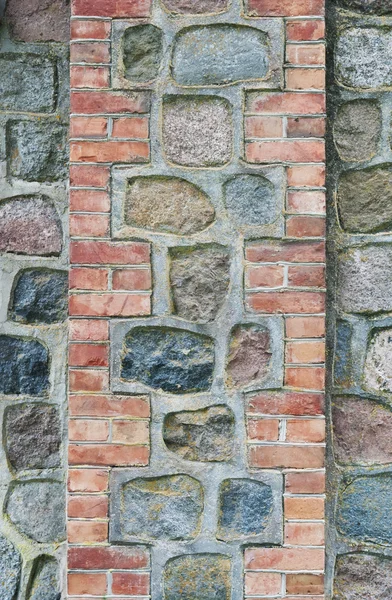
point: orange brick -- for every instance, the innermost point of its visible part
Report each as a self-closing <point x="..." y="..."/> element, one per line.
<point x="305" y="54"/>
<point x="286" y="457"/>
<point x="85" y="278"/>
<point x="107" y="455"/>
<point x="304" y="127"/>
<point x="305" y="352"/>
<point x="263" y="127"/>
<point x="286" y="302"/>
<point x="305" y="79"/>
<point x="263" y="429"/>
<point x="89" y="201"/>
<point x="88" y="355"/>
<point x="305" y="430"/>
<point x="83" y="430"/>
<point x="285" y="559"/>
<point x="88" y="330"/>
<point x="305" y="584"/>
<point x="109" y="152"/>
<point x="303" y="31"/>
<point x="131" y="584"/>
<point x="109" y="102"/>
<point x="87" y="583"/>
<point x="88" y="480"/>
<point x="306" y="175"/>
<point x="131" y="432"/>
<point x="89" y="77"/>
<point x="87" y="507"/>
<point x="90" y="30"/>
<point x="269" y="276"/>
<point x="305" y="483"/>
<point x="109" y="406"/>
<point x="85" y="532"/>
<point x="286" y="403"/>
<point x="88" y="380"/>
<point x="90" y="52"/>
<point x="265" y="584"/>
<point x="291" y="103"/>
<point x="121" y="253"/>
<point x="308" y="378"/>
<point x="306" y="202"/>
<point x="291" y="251"/>
<point x="306" y="276"/>
<point x="89" y="176"/>
<point x="300" y="227"/>
<point x="304" y="534"/>
<point x="131" y="279"/>
<point x="108" y="557"/>
<point x="88" y="127"/>
<point x="89" y="226"/>
<point x="109" y="305"/>
<point x="305" y="327"/>
<point x="103" y="8"/>
<point x="133" y="127"/>
<point x="285" y="151"/>
<point x="304" y="508"/>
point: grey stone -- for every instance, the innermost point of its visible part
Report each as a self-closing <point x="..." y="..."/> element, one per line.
<point x="174" y="360"/>
<point x="364" y="57"/>
<point x="32" y="434"/>
<point x="30" y="225"/>
<point x="190" y="7"/>
<point x="45" y="579"/>
<point x="369" y="7"/>
<point x="167" y="205"/>
<point x="10" y="569"/>
<point x="161" y="508"/>
<point x="362" y="577"/>
<point x="343" y="360"/>
<point x="249" y="356"/>
<point x="142" y="48"/>
<point x="251" y="200"/>
<point x="205" y="435"/>
<point x="28" y="83"/>
<point x="219" y="54"/>
<point x="365" y="200"/>
<point x="38" y="20"/>
<point x="197" y="130"/>
<point x="24" y="366"/>
<point x="37" y="150"/>
<point x="199" y="279"/>
<point x="40" y="296"/>
<point x="202" y="576"/>
<point x="37" y="509"/>
<point x="357" y="130"/>
<point x="245" y="508"/>
<point x="378" y="365"/>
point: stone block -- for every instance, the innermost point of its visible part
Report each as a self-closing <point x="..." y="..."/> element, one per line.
<point x="378" y="365"/>
<point x="360" y="576"/>
<point x="343" y="360"/>
<point x="357" y="130"/>
<point x="368" y="7"/>
<point x="28" y="83"/>
<point x="142" y="48"/>
<point x="251" y="200"/>
<point x="45" y="580"/>
<point x="202" y="576"/>
<point x="38" y="20"/>
<point x="10" y="569"/>
<point x="24" y="366"/>
<point x="190" y="7"/>
<point x="40" y="296"/>
<point x="249" y="356"/>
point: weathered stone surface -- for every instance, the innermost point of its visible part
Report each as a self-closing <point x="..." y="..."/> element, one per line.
<point x="378" y="365"/>
<point x="365" y="279"/>
<point x="249" y="355"/>
<point x="38" y="20"/>
<point x="142" y="48"/>
<point x="365" y="200"/>
<point x="37" y="509"/>
<point x="251" y="200"/>
<point x="362" y="576"/>
<point x="40" y="296"/>
<point x="364" y="509"/>
<point x="205" y="435"/>
<point x="32" y="435"/>
<point x="27" y="83"/>
<point x="167" y="205"/>
<point x="199" y="279"/>
<point x="161" y="508"/>
<point x="45" y="580"/>
<point x="10" y="568"/>
<point x="37" y="150"/>
<point x="30" y="225"/>
<point x="24" y="366"/>
<point x="361" y="431"/>
<point x="370" y="7"/>
<point x="364" y="57"/>
<point x="190" y="7"/>
<point x="197" y="131"/>
<point x="343" y="359"/>
<point x="219" y="54"/>
<point x="357" y="130"/>
<point x="202" y="576"/>
<point x="174" y="360"/>
<point x="245" y="508"/>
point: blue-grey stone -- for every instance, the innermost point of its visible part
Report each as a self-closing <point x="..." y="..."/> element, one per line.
<point x="198" y="577"/>
<point x="343" y="353"/>
<point x="45" y="579"/>
<point x="40" y="296"/>
<point x="24" y="366"/>
<point x="251" y="200"/>
<point x="10" y="568"/>
<point x="142" y="47"/>
<point x="368" y="7"/>
<point x="28" y="83"/>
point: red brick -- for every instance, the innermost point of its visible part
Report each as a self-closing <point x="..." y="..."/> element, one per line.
<point x="89" y="77"/>
<point x="90" y="52"/>
<point x="85" y="278"/>
<point x="304" y="127"/>
<point x="130" y="432"/>
<point x="286" y="403"/>
<point x="309" y="352"/>
<point x="87" y="532"/>
<point x="131" y="279"/>
<point x="87" y="583"/>
<point x="89" y="176"/>
<point x="263" y="429"/>
<point x="87" y="507"/>
<point x="88" y="330"/>
<point x="285" y="151"/>
<point x="107" y="455"/>
<point x="265" y="584"/>
<point x="109" y="102"/>
<point x="88" y="380"/>
<point x="88" y="430"/>
<point x="305" y="483"/>
<point x="109" y="406"/>
<point x="285" y="559"/>
<point x="90" y="30"/>
<point x="109" y="305"/>
<point x="88" y="480"/>
<point x="132" y="127"/>
<point x="268" y="276"/>
<point x="306" y="276"/>
<point x="263" y="127"/>
<point x="111" y="557"/>
<point x="304" y="534"/>
<point x="88" y="127"/>
<point x="286" y="302"/>
<point x="291" y="251"/>
<point x="300" y="227"/>
<point x="305" y="54"/>
<point x="291" y="103"/>
<point x="108" y="8"/>
<point x="308" y="378"/>
<point x="305" y="430"/>
<point x="88" y="355"/>
<point x="305" y="584"/>
<point x="306" y="175"/>
<point x="304" y="508"/>
<point x="89" y="201"/>
<point x="115" y="253"/>
<point x="305" y="327"/>
<point x="286" y="457"/>
<point x="303" y="31"/>
<point x="305" y="79"/>
<point x="306" y="202"/>
<point x="285" y="8"/>
<point x="109" y="152"/>
<point x="89" y="226"/>
<point x="131" y="584"/>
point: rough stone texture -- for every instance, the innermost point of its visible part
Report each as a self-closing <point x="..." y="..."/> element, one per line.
<point x="37" y="150"/>
<point x="37" y="509"/>
<point x="27" y="83"/>
<point x="199" y="279"/>
<point x="245" y="508"/>
<point x="190" y="7"/>
<point x="201" y="576"/>
<point x="378" y="366"/>
<point x="32" y="436"/>
<point x="174" y="360"/>
<point x="45" y="579"/>
<point x="197" y="131"/>
<point x="167" y="205"/>
<point x="24" y="366"/>
<point x="40" y="296"/>
<point x="219" y="54"/>
<point x="343" y="360"/>
<point x="162" y="508"/>
<point x="251" y="200"/>
<point x="370" y="7"/>
<point x="364" y="57"/>
<point x="205" y="435"/>
<point x="357" y="130"/>
<point x="249" y="355"/>
<point x="363" y="576"/>
<point x="142" y="48"/>
<point x="38" y="20"/>
<point x="365" y="200"/>
<point x="10" y="569"/>
<point x="30" y="225"/>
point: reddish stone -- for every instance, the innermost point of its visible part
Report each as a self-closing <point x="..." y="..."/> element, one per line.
<point x="249" y="355"/>
<point x="38" y="20"/>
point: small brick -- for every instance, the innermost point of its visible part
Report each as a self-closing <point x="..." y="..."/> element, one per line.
<point x="285" y="151"/>
<point x="136" y="584"/>
<point x="292" y="251"/>
<point x="263" y="429"/>
<point x="305" y="584"/>
<point x="306" y="276"/>
<point x="88" y="480"/>
<point x="107" y="455"/>
<point x="88" y="355"/>
<point x="88" y="380"/>
<point x="285" y="559"/>
<point x="305" y="54"/>
<point x="90" y="30"/>
<point x="109" y="305"/>
<point x="110" y="557"/>
<point x="109" y="152"/>
<point x="109" y="406"/>
<point x="287" y="103"/>
<point x="87" y="583"/>
<point x="132" y="127"/>
<point x="84" y="430"/>
<point x="263" y="584"/>
<point x="131" y="279"/>
<point x="304" y="127"/>
<point x="309" y="352"/>
<point x="109" y="102"/>
<point x="308" y="378"/>
<point x="286" y="302"/>
<point x="286" y="457"/>
<point x="304" y="508"/>
<point x="88" y="330"/>
<point x="89" y="201"/>
<point x="89" y="226"/>
<point x="88" y="127"/>
<point x="306" y="202"/>
<point x="304" y="534"/>
<point x="268" y="276"/>
<point x="263" y="127"/>
<point x="90" y="52"/>
<point x="103" y="8"/>
<point x="121" y="253"/>
<point x="85" y="278"/>
<point x="88" y="507"/>
<point x="286" y="403"/>
<point x="305" y="31"/>
<point x="130" y="432"/>
<point x="85" y="532"/>
<point x="305" y="79"/>
<point x="89" y="176"/>
<point x="300" y="227"/>
<point x="305" y="483"/>
<point x="306" y="176"/>
<point x="89" y="77"/>
<point x="305" y="327"/>
<point x="305" y="430"/>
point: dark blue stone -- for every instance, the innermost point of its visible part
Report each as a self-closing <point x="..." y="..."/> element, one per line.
<point x="343" y="358"/>
<point x="24" y="366"/>
<point x="40" y="296"/>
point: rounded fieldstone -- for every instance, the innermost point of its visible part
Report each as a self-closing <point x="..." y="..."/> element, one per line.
<point x="10" y="569"/>
<point x="38" y="20"/>
<point x="249" y="356"/>
<point x="30" y="225"/>
<point x="44" y="583"/>
<point x="368" y="7"/>
<point x="251" y="200"/>
<point x="40" y="296"/>
<point x="378" y="365"/>
<point x="28" y="82"/>
<point x="142" y="48"/>
<point x="357" y="130"/>
<point x="190" y="7"/>
<point x="202" y="576"/>
<point x="360" y="576"/>
<point x="24" y="366"/>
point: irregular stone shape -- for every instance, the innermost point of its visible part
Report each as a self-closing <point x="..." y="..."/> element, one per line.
<point x="251" y="200"/>
<point x="37" y="150"/>
<point x="40" y="296"/>
<point x="38" y="20"/>
<point x="24" y="366"/>
<point x="199" y="279"/>
<point x="205" y="435"/>
<point x="167" y="205"/>
<point x="32" y="436"/>
<point x="190" y="7"/>
<point x="142" y="48"/>
<point x="343" y="360"/>
<point x="245" y="508"/>
<point x="197" y="131"/>
<point x="249" y="355"/>
<point x="161" y="508"/>
<point x="174" y="360"/>
<point x="369" y="7"/>
<point x="202" y="576"/>
<point x="364" y="509"/>
<point x="37" y="509"/>
<point x="28" y="83"/>
<point x="357" y="130"/>
<point x="30" y="225"/>
<point x="364" y="57"/>
<point x="10" y="568"/>
<point x="45" y="579"/>
<point x="362" y="576"/>
<point x="219" y="54"/>
<point x="365" y="279"/>
<point x="365" y="200"/>
<point x="378" y="365"/>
